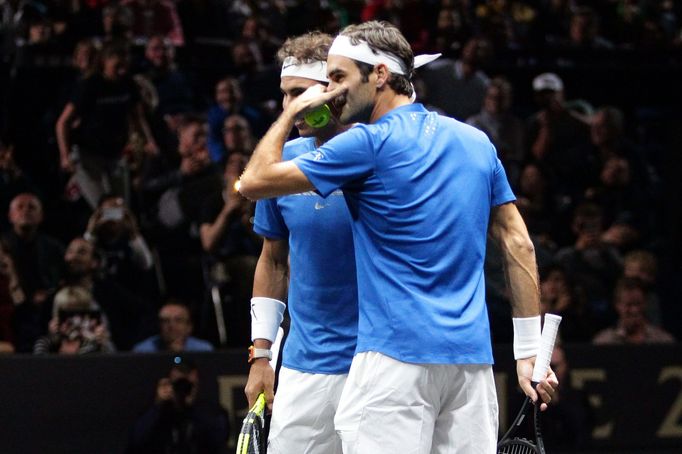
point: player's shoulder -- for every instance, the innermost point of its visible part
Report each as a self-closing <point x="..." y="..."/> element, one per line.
<point x="298" y="146"/>
<point x="465" y="131"/>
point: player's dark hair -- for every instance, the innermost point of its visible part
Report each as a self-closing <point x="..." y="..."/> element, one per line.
<point x="385" y="37"/>
<point x="307" y="48"/>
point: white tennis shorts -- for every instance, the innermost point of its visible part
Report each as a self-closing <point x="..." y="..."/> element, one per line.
<point x="303" y="413"/>
<point x="393" y="407"/>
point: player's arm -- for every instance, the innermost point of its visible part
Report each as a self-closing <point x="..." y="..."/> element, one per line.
<point x="269" y="290"/>
<point x="266" y="175"/>
<point x="509" y="231"/>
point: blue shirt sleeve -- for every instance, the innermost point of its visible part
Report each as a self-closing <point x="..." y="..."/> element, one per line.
<point x="347" y="157"/>
<point x="502" y="192"/>
<point x="269" y="221"/>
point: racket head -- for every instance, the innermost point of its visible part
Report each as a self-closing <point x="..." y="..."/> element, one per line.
<point x="251" y="437"/>
<point x="517" y="446"/>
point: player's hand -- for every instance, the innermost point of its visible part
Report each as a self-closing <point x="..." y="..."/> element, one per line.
<point x="261" y="379"/>
<point x="546" y="388"/>
<point x="315" y="96"/>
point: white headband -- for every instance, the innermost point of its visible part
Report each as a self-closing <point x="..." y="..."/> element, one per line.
<point x="361" y="51"/>
<point x="316" y="70"/>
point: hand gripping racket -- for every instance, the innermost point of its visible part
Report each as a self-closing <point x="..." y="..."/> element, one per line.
<point x="251" y="439"/>
<point x="510" y="444"/>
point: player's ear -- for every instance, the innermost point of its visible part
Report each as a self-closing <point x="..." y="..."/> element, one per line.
<point x="382" y="75"/>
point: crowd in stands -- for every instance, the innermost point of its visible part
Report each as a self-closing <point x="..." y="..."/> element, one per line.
<point x="125" y="125"/>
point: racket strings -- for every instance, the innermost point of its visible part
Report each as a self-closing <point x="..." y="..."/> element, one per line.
<point x="518" y="446"/>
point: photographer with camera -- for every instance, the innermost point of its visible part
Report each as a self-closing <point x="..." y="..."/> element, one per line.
<point x="177" y="422"/>
<point x="77" y="327"/>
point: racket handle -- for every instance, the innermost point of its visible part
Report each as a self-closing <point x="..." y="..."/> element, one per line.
<point x="544" y="356"/>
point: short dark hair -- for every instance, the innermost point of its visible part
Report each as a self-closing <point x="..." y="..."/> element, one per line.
<point x="386" y="37"/>
<point x="627" y="284"/>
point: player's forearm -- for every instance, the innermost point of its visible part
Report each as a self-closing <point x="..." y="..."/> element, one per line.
<point x="518" y="253"/>
<point x="260" y="176"/>
<point x="271" y="278"/>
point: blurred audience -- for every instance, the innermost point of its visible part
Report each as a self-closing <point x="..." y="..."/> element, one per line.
<point x="175" y="329"/>
<point x="77" y="327"/>
<point x="632" y="326"/>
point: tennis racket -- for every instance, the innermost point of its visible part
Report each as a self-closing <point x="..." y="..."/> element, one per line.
<point x="251" y="437"/>
<point x="510" y="443"/>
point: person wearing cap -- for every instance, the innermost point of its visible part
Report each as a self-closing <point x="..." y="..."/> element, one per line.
<point x="422" y="190"/>
<point x="555" y="133"/>
<point x="307" y="238"/>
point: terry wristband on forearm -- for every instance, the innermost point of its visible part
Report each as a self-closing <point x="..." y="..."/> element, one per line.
<point x="266" y="316"/>
<point x="527" y="333"/>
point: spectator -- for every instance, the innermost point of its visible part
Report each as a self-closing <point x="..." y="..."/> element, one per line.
<point x="173" y="90"/>
<point x="101" y="108"/>
<point x="452" y="31"/>
<point x="77" y="326"/>
<point x="536" y="202"/>
<point x="228" y="101"/>
<point x="459" y="87"/>
<point x="175" y="192"/>
<point x="643" y="266"/>
<point x="554" y="131"/>
<point x="38" y="263"/>
<point x="11" y="295"/>
<point x="124" y="311"/>
<point x="258" y="82"/>
<point x="503" y="129"/>
<point x="13" y="181"/>
<point x="591" y="264"/>
<point x="237" y="136"/>
<point x="632" y="327"/>
<point x="231" y="247"/>
<point x="557" y="296"/>
<point x="117" y="23"/>
<point x="583" y="31"/>
<point x="155" y="17"/>
<point x="114" y="231"/>
<point x="175" y="326"/>
<point x="177" y="422"/>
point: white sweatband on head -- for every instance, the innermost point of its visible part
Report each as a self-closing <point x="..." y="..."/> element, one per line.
<point x="266" y="316"/>
<point x="527" y="333"/>
<point x="362" y="52"/>
<point x="316" y="70"/>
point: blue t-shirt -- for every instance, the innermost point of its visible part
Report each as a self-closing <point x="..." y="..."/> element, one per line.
<point x="322" y="302"/>
<point x="419" y="187"/>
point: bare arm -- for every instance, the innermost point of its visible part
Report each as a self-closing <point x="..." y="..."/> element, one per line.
<point x="211" y="234"/>
<point x="271" y="280"/>
<point x="266" y="175"/>
<point x="62" y="129"/>
<point x="509" y="231"/>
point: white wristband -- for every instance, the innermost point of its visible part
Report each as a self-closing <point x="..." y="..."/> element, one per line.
<point x="527" y="333"/>
<point x="266" y="316"/>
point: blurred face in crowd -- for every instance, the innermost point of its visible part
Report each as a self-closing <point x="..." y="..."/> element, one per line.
<point x="192" y="139"/>
<point x="235" y="165"/>
<point x="616" y="173"/>
<point x="226" y="94"/>
<point x="84" y="57"/>
<point x="494" y="101"/>
<point x="554" y="285"/>
<point x="157" y="52"/>
<point x="25" y="213"/>
<point x="39" y="32"/>
<point x="637" y="269"/>
<point x="630" y="305"/>
<point x="79" y="258"/>
<point x="175" y="323"/>
<point x="114" y="66"/>
<point x="291" y="88"/>
<point x="532" y="181"/>
<point x="243" y="57"/>
<point x="237" y="133"/>
<point x="582" y="29"/>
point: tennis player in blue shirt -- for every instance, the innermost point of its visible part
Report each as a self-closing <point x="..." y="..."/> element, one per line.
<point x="423" y="192"/>
<point x="309" y="238"/>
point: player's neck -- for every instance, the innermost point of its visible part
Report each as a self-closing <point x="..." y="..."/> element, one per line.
<point x="387" y="100"/>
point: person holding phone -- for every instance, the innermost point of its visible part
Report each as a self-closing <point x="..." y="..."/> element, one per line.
<point x="77" y="327"/>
